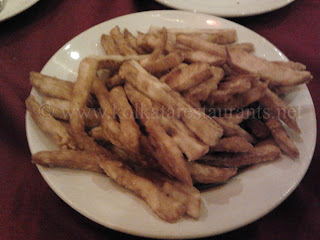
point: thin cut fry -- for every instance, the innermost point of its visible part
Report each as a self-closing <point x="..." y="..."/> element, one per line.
<point x="81" y="90"/>
<point x="123" y="46"/>
<point x="281" y="137"/>
<point x="50" y="125"/>
<point x="61" y="109"/>
<point x="81" y="160"/>
<point x="259" y="154"/>
<point x="233" y="144"/>
<point x="129" y="129"/>
<point x="202" y="173"/>
<point x="108" y="45"/>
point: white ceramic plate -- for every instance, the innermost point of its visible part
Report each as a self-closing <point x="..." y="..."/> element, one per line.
<point x="14" y="7"/>
<point x="227" y="8"/>
<point x="244" y="199"/>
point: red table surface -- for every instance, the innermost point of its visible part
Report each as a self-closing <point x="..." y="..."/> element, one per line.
<point x="29" y="209"/>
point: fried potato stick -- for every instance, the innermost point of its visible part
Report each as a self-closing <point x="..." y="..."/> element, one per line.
<point x="197" y="56"/>
<point x="197" y="43"/>
<point x="220" y="36"/>
<point x="61" y="109"/>
<point x="51" y="86"/>
<point x="280" y="109"/>
<point x="129" y="129"/>
<point x="50" y="125"/>
<point x="164" y="206"/>
<point x="260" y="154"/>
<point x="233" y="144"/>
<point x="238" y="117"/>
<point x="166" y="151"/>
<point x="183" y="78"/>
<point x="81" y="91"/>
<point x="187" y="142"/>
<point x="110" y="126"/>
<point x="132" y="40"/>
<point x="202" y="173"/>
<point x="123" y="46"/>
<point x="74" y="159"/>
<point x="269" y="71"/>
<point x="109" y="45"/>
<point x="231" y="129"/>
<point x="281" y="137"/>
<point x="258" y="128"/>
<point x="198" y="122"/>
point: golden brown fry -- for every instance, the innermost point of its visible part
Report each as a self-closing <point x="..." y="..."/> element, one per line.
<point x="259" y="154"/>
<point x="201" y="92"/>
<point x="258" y="128"/>
<point x="110" y="126"/>
<point x="220" y="36"/>
<point x="197" y="43"/>
<point x="81" y="90"/>
<point x="200" y="124"/>
<point x="51" y="86"/>
<point x="123" y="46"/>
<point x="109" y="45"/>
<point x="163" y="63"/>
<point x="281" y="137"/>
<point x="132" y="40"/>
<point x="129" y="129"/>
<point x="293" y="65"/>
<point x="280" y="109"/>
<point x="183" y="78"/>
<point x="269" y="71"/>
<point x="231" y="129"/>
<point x="50" y="125"/>
<point x="61" y="109"/>
<point x="69" y="159"/>
<point x="187" y="142"/>
<point x="166" y="151"/>
<point x="113" y="62"/>
<point x="202" y="173"/>
<point x="233" y="144"/>
<point x="164" y="206"/>
<point x="248" y="47"/>
<point x="196" y="56"/>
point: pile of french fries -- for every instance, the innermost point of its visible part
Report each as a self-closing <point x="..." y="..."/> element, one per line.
<point x="164" y="110"/>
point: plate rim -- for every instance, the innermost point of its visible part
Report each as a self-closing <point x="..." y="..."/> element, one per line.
<point x="224" y="14"/>
<point x="17" y="12"/>
<point x="169" y="235"/>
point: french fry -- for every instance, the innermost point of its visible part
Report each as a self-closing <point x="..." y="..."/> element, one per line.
<point x="260" y="154"/>
<point x="248" y="47"/>
<point x="233" y="144"/>
<point x="202" y="173"/>
<point x="81" y="90"/>
<point x="110" y="126"/>
<point x="109" y="45"/>
<point x="280" y="109"/>
<point x="201" y="125"/>
<point x="123" y="46"/>
<point x="50" y="125"/>
<point x="197" y="43"/>
<point x="81" y="160"/>
<point x="197" y="56"/>
<point x="281" y="137"/>
<point x="51" y="86"/>
<point x="274" y="73"/>
<point x="238" y="117"/>
<point x="231" y="129"/>
<point x="132" y="40"/>
<point x="186" y="77"/>
<point x="129" y="129"/>
<point x="61" y="109"/>
<point x="166" y="151"/>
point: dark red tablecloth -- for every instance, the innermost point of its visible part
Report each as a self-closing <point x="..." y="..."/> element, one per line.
<point x="29" y="209"/>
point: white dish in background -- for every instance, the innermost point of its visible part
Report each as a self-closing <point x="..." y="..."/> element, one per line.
<point x="227" y="8"/>
<point x="14" y="7"/>
<point x="247" y="197"/>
